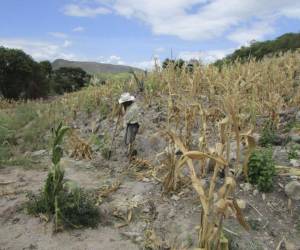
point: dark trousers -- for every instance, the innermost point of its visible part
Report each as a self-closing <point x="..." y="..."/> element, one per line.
<point x="131" y="131"/>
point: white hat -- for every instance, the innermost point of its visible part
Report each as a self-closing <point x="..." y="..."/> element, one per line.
<point x="126" y="97"/>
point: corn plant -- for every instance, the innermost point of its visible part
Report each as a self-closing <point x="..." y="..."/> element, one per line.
<point x="214" y="210"/>
<point x="64" y="200"/>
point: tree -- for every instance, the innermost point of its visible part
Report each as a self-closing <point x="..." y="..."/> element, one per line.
<point x="46" y="66"/>
<point x="69" y="79"/>
<point x="258" y="50"/>
<point x="21" y="76"/>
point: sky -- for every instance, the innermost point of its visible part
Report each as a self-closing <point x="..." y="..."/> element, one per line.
<point x="135" y="32"/>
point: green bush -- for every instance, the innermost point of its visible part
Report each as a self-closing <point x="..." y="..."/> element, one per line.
<point x="262" y="169"/>
<point x="268" y="135"/>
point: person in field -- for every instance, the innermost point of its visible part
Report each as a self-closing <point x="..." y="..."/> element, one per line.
<point x="132" y="121"/>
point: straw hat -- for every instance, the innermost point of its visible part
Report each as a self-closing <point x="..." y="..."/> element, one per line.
<point x="126" y="97"/>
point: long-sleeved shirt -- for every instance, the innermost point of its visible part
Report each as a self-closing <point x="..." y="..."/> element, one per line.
<point x="132" y="115"/>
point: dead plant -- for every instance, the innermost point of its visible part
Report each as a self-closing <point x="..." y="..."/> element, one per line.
<point x="80" y="148"/>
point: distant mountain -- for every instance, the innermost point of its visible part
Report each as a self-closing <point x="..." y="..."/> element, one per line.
<point x="93" y="67"/>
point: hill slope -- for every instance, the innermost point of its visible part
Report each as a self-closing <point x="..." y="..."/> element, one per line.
<point x="257" y="50"/>
<point x="92" y="67"/>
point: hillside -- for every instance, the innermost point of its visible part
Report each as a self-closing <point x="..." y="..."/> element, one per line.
<point x="93" y="67"/>
<point x="219" y="146"/>
<point x="258" y="50"/>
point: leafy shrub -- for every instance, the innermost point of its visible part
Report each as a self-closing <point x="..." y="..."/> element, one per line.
<point x="262" y="169"/>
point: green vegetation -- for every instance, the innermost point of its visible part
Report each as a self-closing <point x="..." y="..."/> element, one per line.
<point x="181" y="64"/>
<point x="262" y="169"/>
<point x="293" y="152"/>
<point x="258" y="50"/>
<point x="268" y="135"/>
<point x="69" y="79"/>
<point x="69" y="204"/>
<point x="23" y="78"/>
<point x="104" y="78"/>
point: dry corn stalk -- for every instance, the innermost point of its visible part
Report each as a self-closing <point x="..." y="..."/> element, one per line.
<point x="213" y="210"/>
<point x="80" y="148"/>
<point x="251" y="144"/>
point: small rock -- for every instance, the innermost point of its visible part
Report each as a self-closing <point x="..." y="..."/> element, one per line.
<point x="145" y="179"/>
<point x="292" y="190"/>
<point x="175" y="197"/>
<point x="280" y="140"/>
<point x="171" y="213"/>
<point x="256" y="137"/>
<point x="295" y="135"/>
<point x="20" y="141"/>
<point x="38" y="153"/>
<point x="297" y="118"/>
<point x="242" y="204"/>
<point x="255" y="192"/>
<point x="131" y="234"/>
<point x="295" y="163"/>
<point x="246" y="187"/>
<point x="138" y="239"/>
<point x="146" y="210"/>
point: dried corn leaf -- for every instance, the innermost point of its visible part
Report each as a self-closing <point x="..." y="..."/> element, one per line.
<point x="288" y="171"/>
<point x="239" y="215"/>
<point x="197" y="155"/>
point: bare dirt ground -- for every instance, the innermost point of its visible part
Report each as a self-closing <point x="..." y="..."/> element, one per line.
<point x="137" y="215"/>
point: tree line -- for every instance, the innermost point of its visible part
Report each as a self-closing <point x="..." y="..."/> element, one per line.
<point x="258" y="50"/>
<point x="21" y="77"/>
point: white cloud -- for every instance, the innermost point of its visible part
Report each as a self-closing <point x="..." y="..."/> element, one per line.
<point x="147" y="65"/>
<point x="113" y="59"/>
<point x="159" y="50"/>
<point x="257" y="31"/>
<point x="67" y="44"/>
<point x="205" y="56"/>
<point x="84" y="11"/>
<point x="58" y="35"/>
<point x="78" y="29"/>
<point x="39" y="50"/>
<point x="202" y="19"/>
